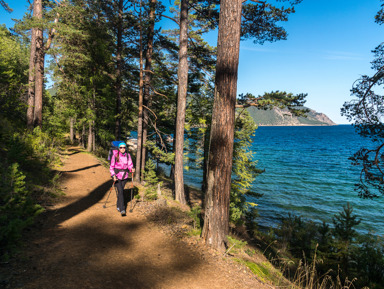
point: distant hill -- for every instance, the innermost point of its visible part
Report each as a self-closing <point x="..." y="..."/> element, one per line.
<point x="282" y="117"/>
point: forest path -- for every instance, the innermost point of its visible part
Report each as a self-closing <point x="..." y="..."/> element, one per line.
<point x="83" y="245"/>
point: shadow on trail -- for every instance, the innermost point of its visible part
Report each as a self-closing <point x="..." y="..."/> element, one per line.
<point x="104" y="253"/>
<point x="129" y="197"/>
<point x="98" y="256"/>
<point x="71" y="210"/>
<point x="98" y="251"/>
<point x="82" y="169"/>
<point x="72" y="152"/>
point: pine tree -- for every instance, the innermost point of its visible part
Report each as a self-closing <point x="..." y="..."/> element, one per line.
<point x="365" y="112"/>
<point x="13" y="66"/>
<point x="345" y="236"/>
<point x="151" y="180"/>
<point x="244" y="168"/>
<point x="260" y="23"/>
<point x="216" y="219"/>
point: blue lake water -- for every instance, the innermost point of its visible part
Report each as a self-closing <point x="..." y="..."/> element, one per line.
<point x="307" y="173"/>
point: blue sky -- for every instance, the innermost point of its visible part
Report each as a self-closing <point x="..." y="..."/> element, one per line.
<point x="328" y="47"/>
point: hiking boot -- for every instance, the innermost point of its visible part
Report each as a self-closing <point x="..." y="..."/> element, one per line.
<point x="123" y="213"/>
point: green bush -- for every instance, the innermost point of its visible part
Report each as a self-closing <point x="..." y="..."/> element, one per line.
<point x="17" y="208"/>
<point x="26" y="162"/>
<point x="151" y="180"/>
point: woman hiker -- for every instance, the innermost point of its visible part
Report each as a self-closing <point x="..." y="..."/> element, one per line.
<point x="121" y="165"/>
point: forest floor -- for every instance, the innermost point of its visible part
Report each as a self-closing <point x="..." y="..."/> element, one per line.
<point x="80" y="244"/>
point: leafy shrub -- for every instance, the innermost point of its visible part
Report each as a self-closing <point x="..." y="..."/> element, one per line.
<point x="194" y="213"/>
<point x="17" y="208"/>
<point x="26" y="161"/>
<point x="151" y="180"/>
<point x="235" y="245"/>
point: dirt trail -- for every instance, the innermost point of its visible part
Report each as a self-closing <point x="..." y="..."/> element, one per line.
<point x="83" y="245"/>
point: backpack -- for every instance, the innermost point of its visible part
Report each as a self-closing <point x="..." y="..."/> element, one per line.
<point x="114" y="147"/>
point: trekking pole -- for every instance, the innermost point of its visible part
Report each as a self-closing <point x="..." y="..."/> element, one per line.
<point x="104" y="206"/>
<point x="131" y="194"/>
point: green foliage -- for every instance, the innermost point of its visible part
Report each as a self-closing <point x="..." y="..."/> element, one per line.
<point x="338" y="252"/>
<point x="235" y="245"/>
<point x="13" y="75"/>
<point x="345" y="223"/>
<point x="262" y="20"/>
<point x="26" y="160"/>
<point x="264" y="271"/>
<point x="369" y="258"/>
<point x="345" y="235"/>
<point x="160" y="154"/>
<point x="17" y="208"/>
<point x="365" y="112"/>
<point x="244" y="168"/>
<point x="195" y="214"/>
<point x="151" y="180"/>
<point x="25" y="157"/>
<point x="379" y="17"/>
<point x="55" y="114"/>
<point x="280" y="99"/>
<point x="297" y="235"/>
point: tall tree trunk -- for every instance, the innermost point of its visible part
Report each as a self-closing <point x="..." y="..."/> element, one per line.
<point x="181" y="102"/>
<point x="172" y="172"/>
<point x="93" y="121"/>
<point x="205" y="160"/>
<point x="83" y="136"/>
<point x="216" y="220"/>
<point x="31" y="77"/>
<point x="39" y="69"/>
<point x="71" y="131"/>
<point x="119" y="64"/>
<point x="93" y="136"/>
<point x="90" y="134"/>
<point x="140" y="118"/>
<point x="147" y="81"/>
<point x="144" y="141"/>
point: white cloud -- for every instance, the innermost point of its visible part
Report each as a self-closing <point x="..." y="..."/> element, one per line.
<point x="342" y="55"/>
<point x="257" y="49"/>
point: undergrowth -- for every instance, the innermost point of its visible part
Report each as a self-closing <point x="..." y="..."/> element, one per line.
<point x="28" y="181"/>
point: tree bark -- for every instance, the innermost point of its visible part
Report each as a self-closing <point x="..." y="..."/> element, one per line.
<point x="83" y="136"/>
<point x="119" y="64"/>
<point x="90" y="134"/>
<point x="205" y="161"/>
<point x="140" y="106"/>
<point x="71" y="131"/>
<point x="39" y="69"/>
<point x="216" y="220"/>
<point x="144" y="141"/>
<point x="181" y="103"/>
<point x="31" y="77"/>
<point x="93" y="136"/>
<point x="147" y="81"/>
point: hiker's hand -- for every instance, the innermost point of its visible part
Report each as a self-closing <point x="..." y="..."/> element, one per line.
<point x="114" y="178"/>
<point x="133" y="170"/>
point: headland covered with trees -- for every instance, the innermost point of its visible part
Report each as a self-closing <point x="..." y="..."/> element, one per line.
<point x="113" y="71"/>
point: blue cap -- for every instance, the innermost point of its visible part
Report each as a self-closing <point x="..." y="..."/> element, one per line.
<point x="122" y="144"/>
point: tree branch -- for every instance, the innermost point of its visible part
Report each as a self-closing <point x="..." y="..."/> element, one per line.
<point x="52" y="33"/>
<point x="159" y="134"/>
<point x="158" y="93"/>
<point x="162" y="15"/>
<point x="150" y="111"/>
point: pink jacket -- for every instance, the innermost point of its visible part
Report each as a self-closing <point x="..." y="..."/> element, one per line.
<point x="125" y="162"/>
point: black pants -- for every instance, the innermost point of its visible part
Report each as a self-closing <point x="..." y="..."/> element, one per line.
<point x="120" y="184"/>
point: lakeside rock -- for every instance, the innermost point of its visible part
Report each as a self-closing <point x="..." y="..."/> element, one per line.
<point x="283" y="117"/>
